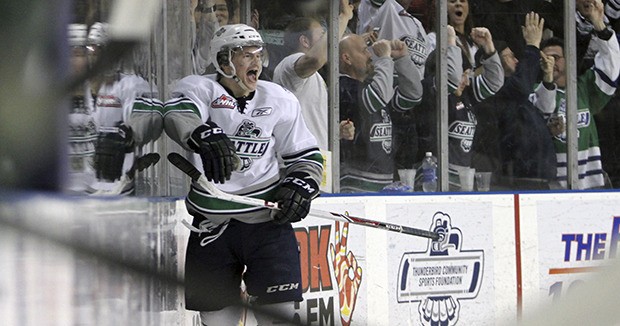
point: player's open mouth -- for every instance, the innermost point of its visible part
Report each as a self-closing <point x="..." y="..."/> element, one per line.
<point x="253" y="75"/>
<point x="459" y="13"/>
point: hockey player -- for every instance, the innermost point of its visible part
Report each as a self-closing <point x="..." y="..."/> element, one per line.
<point x="236" y="125"/>
<point x="82" y="128"/>
<point x="128" y="115"/>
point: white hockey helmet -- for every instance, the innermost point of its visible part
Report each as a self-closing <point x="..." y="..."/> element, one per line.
<point x="98" y="34"/>
<point x="230" y="37"/>
<point x="76" y="34"/>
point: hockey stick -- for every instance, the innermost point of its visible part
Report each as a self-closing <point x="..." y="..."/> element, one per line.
<point x="141" y="163"/>
<point x="188" y="168"/>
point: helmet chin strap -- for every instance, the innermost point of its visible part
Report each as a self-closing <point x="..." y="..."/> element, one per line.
<point x="241" y="83"/>
<point x="233" y="74"/>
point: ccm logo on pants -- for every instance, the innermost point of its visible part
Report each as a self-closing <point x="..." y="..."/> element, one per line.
<point x="282" y="287"/>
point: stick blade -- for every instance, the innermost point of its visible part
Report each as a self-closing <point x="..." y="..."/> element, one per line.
<point x="146" y="161"/>
<point x="184" y="165"/>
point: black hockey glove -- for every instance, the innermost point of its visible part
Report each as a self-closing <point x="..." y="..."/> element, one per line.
<point x="110" y="152"/>
<point x="216" y="150"/>
<point x="294" y="196"/>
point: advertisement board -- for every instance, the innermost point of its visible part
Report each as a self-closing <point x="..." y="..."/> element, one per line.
<point x="571" y="237"/>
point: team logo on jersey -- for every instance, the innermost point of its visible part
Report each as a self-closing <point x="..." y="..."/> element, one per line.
<point x="442" y="276"/>
<point x="417" y="48"/>
<point x="248" y="143"/>
<point x="261" y="112"/>
<point x="382" y="132"/>
<point x="464" y="130"/>
<point x="224" y="102"/>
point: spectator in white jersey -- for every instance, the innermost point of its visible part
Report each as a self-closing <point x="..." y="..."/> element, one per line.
<point x="395" y="23"/>
<point x="298" y="72"/>
<point x="237" y="126"/>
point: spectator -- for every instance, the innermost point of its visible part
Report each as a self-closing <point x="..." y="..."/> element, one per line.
<point x="206" y="20"/>
<point x="586" y="50"/>
<point x="395" y="23"/>
<point x="471" y="90"/>
<point x="512" y="139"/>
<point x="595" y="88"/>
<point x="298" y="72"/>
<point x="608" y="124"/>
<point x="504" y="18"/>
<point x="367" y="98"/>
<point x="461" y="20"/>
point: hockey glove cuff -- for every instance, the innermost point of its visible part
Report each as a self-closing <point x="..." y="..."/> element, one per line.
<point x="294" y="196"/>
<point x="110" y="152"/>
<point x="216" y="151"/>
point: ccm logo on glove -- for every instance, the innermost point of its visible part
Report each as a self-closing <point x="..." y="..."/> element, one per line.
<point x="301" y="183"/>
<point x="216" y="150"/>
<point x="294" y="196"/>
<point x="210" y="132"/>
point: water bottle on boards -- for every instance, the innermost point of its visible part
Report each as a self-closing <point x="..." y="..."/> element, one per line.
<point x="429" y="173"/>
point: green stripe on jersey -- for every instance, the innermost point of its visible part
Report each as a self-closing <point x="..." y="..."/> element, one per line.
<point x="211" y="203"/>
<point x="182" y="106"/>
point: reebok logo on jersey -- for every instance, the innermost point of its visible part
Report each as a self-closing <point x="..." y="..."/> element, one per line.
<point x="224" y="102"/>
<point x="261" y="112"/>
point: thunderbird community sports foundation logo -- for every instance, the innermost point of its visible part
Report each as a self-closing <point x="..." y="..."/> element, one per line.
<point x="441" y="276"/>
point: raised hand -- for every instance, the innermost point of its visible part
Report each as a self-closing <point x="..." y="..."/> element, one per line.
<point x="533" y="29"/>
<point x="399" y="49"/>
<point x="594" y="11"/>
<point x="451" y="35"/>
<point x="255" y="20"/>
<point x="482" y="37"/>
<point x="348" y="274"/>
<point x="547" y="63"/>
<point x="346" y="9"/>
<point x="382" y="48"/>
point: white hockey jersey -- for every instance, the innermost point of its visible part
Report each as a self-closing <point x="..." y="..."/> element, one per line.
<point x="113" y="106"/>
<point x="269" y="124"/>
<point x="395" y="23"/>
<point x="82" y="137"/>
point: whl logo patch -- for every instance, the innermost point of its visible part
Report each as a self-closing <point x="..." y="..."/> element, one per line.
<point x="442" y="276"/>
<point x="224" y="102"/>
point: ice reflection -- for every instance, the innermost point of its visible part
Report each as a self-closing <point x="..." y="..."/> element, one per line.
<point x="108" y="277"/>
